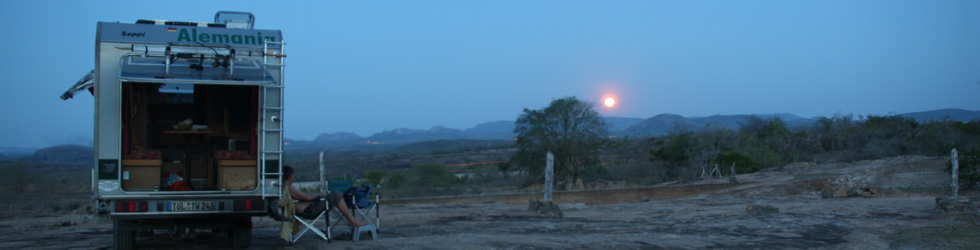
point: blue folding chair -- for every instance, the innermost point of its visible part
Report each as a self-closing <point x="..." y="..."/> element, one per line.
<point x="343" y="186"/>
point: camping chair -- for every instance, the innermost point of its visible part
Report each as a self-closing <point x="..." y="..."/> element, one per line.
<point x="343" y="186"/>
<point x="306" y="221"/>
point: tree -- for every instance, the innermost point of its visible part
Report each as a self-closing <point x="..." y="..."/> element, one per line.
<point x="830" y="132"/>
<point x="672" y="154"/>
<point x="433" y="177"/>
<point x="375" y="176"/>
<point x="396" y="180"/>
<point x="743" y="163"/>
<point x="882" y="136"/>
<point x="769" y="142"/>
<point x="570" y="128"/>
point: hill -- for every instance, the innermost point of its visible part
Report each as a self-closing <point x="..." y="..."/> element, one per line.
<point x="12" y="152"/>
<point x="445" y="146"/>
<point x="618" y="125"/>
<point x="492" y="130"/>
<point x="666" y="123"/>
<point x="658" y="125"/>
<point x="341" y="137"/>
<point x="66" y="164"/>
<point x="942" y="114"/>
<point x="413" y="135"/>
<point x="661" y="125"/>
<point x="61" y="153"/>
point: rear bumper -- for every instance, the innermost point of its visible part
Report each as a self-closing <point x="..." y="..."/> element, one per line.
<point x="182" y="215"/>
<point x="160" y="208"/>
<point x="184" y="224"/>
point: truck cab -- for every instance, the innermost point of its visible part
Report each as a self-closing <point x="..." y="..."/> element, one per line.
<point x="188" y="125"/>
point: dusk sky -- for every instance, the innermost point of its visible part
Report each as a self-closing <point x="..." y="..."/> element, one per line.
<point x="369" y="66"/>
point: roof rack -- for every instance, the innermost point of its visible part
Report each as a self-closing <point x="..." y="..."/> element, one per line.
<point x="222" y="19"/>
<point x="180" y="23"/>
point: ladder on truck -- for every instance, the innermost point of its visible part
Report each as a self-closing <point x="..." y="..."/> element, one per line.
<point x="271" y="131"/>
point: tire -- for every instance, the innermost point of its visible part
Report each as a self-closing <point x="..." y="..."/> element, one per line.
<point x="123" y="238"/>
<point x="241" y="235"/>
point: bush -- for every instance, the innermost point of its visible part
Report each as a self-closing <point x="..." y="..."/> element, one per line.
<point x="19" y="177"/>
<point x="431" y="177"/>
<point x="375" y="176"/>
<point x="421" y="180"/>
<point x="396" y="180"/>
<point x="743" y="163"/>
<point x="669" y="155"/>
<point x="486" y="173"/>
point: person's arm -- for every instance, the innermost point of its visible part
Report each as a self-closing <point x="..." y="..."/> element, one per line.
<point x="300" y="195"/>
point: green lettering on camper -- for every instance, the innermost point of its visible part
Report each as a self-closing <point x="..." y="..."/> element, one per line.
<point x="220" y="38"/>
<point x="183" y="36"/>
<point x="193" y="37"/>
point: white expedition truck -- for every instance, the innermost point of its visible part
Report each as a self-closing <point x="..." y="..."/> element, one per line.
<point x="188" y="125"/>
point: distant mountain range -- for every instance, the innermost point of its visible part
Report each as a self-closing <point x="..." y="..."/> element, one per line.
<point x="54" y="154"/>
<point x="942" y="114"/>
<point x="618" y="126"/>
<point x="11" y="152"/>
<point x="499" y="130"/>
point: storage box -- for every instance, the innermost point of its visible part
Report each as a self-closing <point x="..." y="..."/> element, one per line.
<point x="232" y="155"/>
<point x="237" y="177"/>
<point x="142" y="162"/>
<point x="140" y="178"/>
<point x="143" y="154"/>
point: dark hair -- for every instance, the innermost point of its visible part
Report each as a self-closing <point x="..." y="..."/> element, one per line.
<point x="287" y="171"/>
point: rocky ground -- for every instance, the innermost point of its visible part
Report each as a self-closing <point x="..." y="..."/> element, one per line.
<point x="886" y="203"/>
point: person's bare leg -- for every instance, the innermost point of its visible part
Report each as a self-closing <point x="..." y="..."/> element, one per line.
<point x="350" y="218"/>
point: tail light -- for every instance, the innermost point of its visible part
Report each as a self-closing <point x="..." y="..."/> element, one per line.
<point x="131" y="206"/>
<point x="249" y="205"/>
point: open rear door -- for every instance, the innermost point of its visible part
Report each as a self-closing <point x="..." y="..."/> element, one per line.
<point x="87" y="82"/>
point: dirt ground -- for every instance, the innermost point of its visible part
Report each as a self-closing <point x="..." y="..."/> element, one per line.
<point x="695" y="214"/>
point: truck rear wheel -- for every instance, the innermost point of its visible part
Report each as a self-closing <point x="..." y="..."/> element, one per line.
<point x="241" y="235"/>
<point x="123" y="237"/>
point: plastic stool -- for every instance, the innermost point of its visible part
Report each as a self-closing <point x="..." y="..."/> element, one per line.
<point x="370" y="228"/>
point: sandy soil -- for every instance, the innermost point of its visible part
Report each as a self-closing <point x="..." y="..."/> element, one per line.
<point x="695" y="214"/>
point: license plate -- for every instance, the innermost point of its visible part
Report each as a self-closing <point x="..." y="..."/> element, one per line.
<point x="190" y="206"/>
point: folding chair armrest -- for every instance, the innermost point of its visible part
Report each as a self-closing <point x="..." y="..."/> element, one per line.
<point x="318" y="199"/>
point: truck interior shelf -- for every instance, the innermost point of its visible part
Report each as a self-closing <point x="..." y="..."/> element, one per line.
<point x="216" y="149"/>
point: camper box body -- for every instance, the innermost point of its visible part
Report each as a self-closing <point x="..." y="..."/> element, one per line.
<point x="188" y="126"/>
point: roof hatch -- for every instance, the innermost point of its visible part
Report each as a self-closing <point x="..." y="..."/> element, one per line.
<point x="235" y="19"/>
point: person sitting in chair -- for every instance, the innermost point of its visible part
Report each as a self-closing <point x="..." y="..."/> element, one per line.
<point x="306" y="203"/>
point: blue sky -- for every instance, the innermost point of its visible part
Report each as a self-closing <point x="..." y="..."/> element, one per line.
<point x="367" y="66"/>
